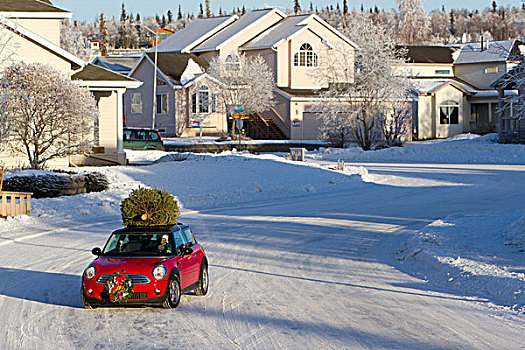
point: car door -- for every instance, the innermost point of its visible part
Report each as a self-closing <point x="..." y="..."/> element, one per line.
<point x="184" y="263"/>
<point x="196" y="256"/>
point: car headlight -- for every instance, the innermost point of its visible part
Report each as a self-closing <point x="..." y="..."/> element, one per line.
<point x="159" y="272"/>
<point x="90" y="272"/>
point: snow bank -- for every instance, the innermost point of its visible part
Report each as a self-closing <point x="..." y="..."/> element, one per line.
<point x="468" y="255"/>
<point x="514" y="234"/>
<point x="465" y="148"/>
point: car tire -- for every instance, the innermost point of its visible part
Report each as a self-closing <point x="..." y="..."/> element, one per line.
<point x="84" y="301"/>
<point x="204" y="281"/>
<point x="173" y="294"/>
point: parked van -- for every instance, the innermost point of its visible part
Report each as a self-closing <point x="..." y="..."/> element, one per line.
<point x="143" y="139"/>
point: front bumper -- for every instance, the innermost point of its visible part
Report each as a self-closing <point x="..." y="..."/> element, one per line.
<point x="95" y="293"/>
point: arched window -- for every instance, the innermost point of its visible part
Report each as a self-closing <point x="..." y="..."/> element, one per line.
<point x="306" y="57"/>
<point x="204" y="99"/>
<point x="449" y="112"/>
<point x="232" y="62"/>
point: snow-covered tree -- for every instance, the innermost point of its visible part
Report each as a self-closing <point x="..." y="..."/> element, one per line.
<point x="104" y="42"/>
<point x="73" y="41"/>
<point x="359" y="93"/>
<point x="244" y="82"/>
<point x="413" y="23"/>
<point x="49" y="115"/>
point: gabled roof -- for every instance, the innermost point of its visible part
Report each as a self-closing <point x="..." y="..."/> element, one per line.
<point x="118" y="64"/>
<point x="9" y="7"/>
<point x="95" y="73"/>
<point x="285" y="29"/>
<point x="173" y="65"/>
<point x="245" y="22"/>
<point x="429" y="54"/>
<point x="429" y="86"/>
<point x="195" y="33"/>
<point x="42" y="42"/>
<point x="498" y="51"/>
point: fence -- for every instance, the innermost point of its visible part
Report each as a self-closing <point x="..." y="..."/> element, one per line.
<point x="15" y="203"/>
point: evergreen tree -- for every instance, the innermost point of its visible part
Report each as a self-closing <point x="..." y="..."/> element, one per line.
<point x="201" y="11"/>
<point x="208" y="10"/>
<point x="243" y="10"/>
<point x="337" y="8"/>
<point x="296" y="6"/>
<point x="149" y="207"/>
<point x="104" y="44"/>
<point x="220" y="11"/>
<point x="311" y="7"/>
<point x="163" y="21"/>
<point x="452" y="22"/>
<point x="179" y="14"/>
<point x="123" y="15"/>
<point x="345" y="7"/>
<point x="170" y="16"/>
<point x="494" y="6"/>
<point x="137" y="18"/>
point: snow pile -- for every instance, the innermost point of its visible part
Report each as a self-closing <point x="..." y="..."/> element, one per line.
<point x="514" y="234"/>
<point x="468" y="255"/>
<point x="465" y="148"/>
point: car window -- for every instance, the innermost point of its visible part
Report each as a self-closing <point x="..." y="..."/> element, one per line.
<point x="127" y="135"/>
<point x="153" y="135"/>
<point x="137" y="244"/>
<point x="139" y="135"/>
<point x="179" y="240"/>
<point x="188" y="237"/>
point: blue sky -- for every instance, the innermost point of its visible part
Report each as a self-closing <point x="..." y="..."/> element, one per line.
<point x="88" y="10"/>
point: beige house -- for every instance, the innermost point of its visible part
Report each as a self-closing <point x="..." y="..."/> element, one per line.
<point x="291" y="46"/>
<point x="185" y="96"/>
<point x="33" y="30"/>
<point x="453" y="86"/>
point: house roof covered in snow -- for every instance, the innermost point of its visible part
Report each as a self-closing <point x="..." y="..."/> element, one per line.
<point x="244" y="23"/>
<point x="497" y="51"/>
<point x="194" y="34"/>
<point x="29" y="6"/>
<point x="285" y="29"/>
<point x="119" y="64"/>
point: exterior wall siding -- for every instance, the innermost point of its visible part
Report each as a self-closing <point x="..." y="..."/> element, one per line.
<point x="47" y="28"/>
<point x="475" y="74"/>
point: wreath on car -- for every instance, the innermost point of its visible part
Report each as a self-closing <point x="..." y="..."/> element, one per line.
<point x="119" y="287"/>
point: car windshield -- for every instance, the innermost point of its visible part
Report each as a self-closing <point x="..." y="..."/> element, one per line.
<point x="138" y="244"/>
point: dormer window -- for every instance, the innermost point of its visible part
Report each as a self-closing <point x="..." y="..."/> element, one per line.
<point x="306" y="57"/>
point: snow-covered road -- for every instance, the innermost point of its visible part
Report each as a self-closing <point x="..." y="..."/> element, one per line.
<point x="309" y="271"/>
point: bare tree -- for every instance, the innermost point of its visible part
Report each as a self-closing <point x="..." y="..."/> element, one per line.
<point x="358" y="93"/>
<point x="244" y="82"/>
<point x="50" y="116"/>
<point x="413" y="23"/>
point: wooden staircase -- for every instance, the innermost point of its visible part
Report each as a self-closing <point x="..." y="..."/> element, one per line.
<point x="260" y="128"/>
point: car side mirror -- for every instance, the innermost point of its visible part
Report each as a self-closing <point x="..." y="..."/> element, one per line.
<point x="187" y="251"/>
<point x="96" y="251"/>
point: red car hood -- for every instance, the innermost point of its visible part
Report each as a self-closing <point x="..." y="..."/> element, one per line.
<point x="127" y="265"/>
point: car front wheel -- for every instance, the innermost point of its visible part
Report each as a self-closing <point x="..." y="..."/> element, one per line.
<point x="204" y="281"/>
<point x="174" y="293"/>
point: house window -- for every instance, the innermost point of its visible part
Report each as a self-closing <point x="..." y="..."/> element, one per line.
<point x="194" y="102"/>
<point x="136" y="102"/>
<point x="232" y="62"/>
<point x="449" y="112"/>
<point x="214" y="103"/>
<point x="204" y="99"/>
<point x="491" y="70"/>
<point x="306" y="57"/>
<point x="162" y="103"/>
<point x="442" y="71"/>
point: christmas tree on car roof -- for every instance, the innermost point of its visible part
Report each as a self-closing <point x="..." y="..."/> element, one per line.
<point x="149" y="207"/>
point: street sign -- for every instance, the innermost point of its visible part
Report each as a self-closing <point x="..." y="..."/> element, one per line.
<point x="238" y="115"/>
<point x="238" y="109"/>
<point x="239" y="124"/>
<point x="296" y="123"/>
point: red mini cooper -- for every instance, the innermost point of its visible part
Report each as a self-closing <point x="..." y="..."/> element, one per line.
<point x="146" y="266"/>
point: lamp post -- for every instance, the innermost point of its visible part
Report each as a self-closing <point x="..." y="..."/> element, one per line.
<point x="154" y="77"/>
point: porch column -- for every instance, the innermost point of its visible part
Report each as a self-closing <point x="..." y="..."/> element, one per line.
<point x="120" y="120"/>
<point x="490" y="112"/>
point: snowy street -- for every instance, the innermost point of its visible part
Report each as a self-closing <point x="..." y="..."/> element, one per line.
<point x="306" y="264"/>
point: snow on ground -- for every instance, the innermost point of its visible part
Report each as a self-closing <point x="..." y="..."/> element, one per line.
<point x="464" y="149"/>
<point x="285" y="234"/>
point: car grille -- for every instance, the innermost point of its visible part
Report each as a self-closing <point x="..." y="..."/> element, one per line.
<point x="142" y="295"/>
<point x="136" y="279"/>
